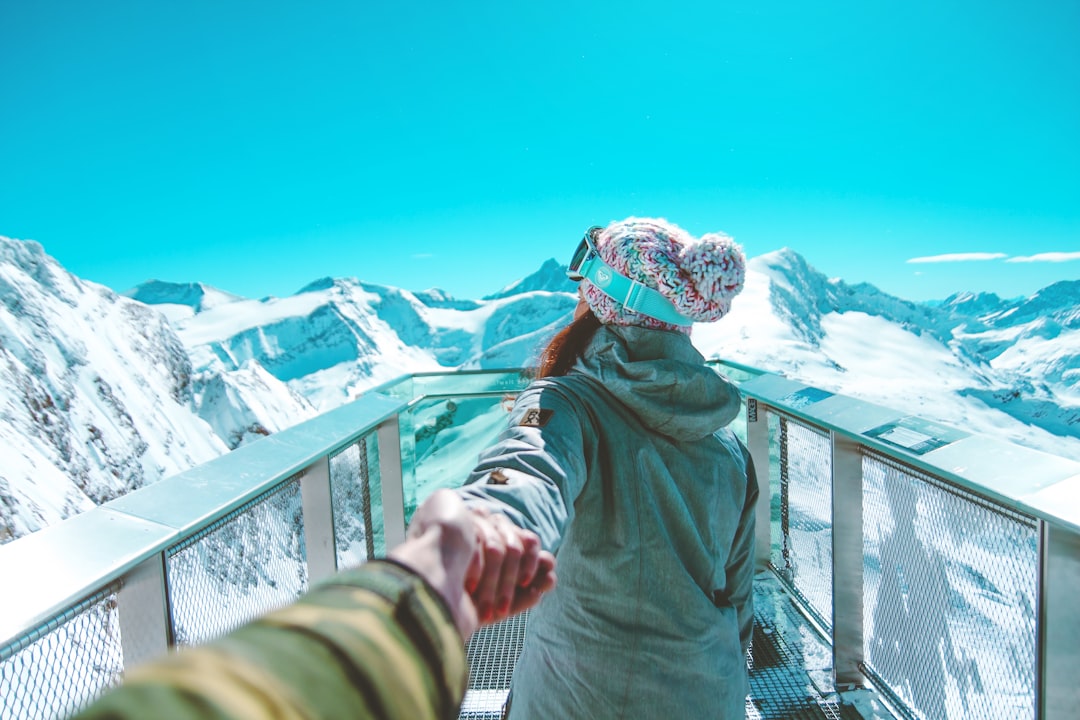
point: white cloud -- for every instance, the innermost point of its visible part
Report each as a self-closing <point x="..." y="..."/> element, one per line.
<point x="957" y="257"/>
<point x="1054" y="257"/>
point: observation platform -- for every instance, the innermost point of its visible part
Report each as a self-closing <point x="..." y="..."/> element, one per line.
<point x="789" y="665"/>
<point x="906" y="569"/>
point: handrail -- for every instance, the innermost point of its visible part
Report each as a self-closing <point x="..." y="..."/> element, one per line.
<point x="1035" y="485"/>
<point x="1028" y="480"/>
<point x="122" y="545"/>
<point x="95" y="548"/>
<point x="128" y="530"/>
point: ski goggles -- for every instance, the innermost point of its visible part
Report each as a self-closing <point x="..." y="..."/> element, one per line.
<point x="585" y="253"/>
<point x="586" y="264"/>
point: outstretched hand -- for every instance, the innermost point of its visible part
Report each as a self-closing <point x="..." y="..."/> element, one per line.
<point x="510" y="572"/>
<point x="484" y="566"/>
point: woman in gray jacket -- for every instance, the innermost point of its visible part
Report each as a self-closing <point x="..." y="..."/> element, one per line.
<point x="619" y="459"/>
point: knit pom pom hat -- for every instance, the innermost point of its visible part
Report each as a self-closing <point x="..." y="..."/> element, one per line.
<point x="699" y="276"/>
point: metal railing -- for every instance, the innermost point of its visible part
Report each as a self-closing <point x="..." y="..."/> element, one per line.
<point x="200" y="553"/>
<point x="943" y="566"/>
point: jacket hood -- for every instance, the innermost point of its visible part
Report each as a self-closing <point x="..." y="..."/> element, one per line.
<point x="662" y="378"/>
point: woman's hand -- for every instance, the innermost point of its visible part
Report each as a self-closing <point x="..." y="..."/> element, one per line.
<point x="486" y="568"/>
<point x="510" y="572"/>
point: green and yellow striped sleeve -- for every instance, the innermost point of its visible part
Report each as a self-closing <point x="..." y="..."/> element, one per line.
<point x="373" y="642"/>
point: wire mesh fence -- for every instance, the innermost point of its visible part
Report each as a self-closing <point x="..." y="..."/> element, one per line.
<point x="950" y="597"/>
<point x="357" y="517"/>
<point x="801" y="485"/>
<point x="950" y="580"/>
<point x="63" y="665"/>
<point x="249" y="562"/>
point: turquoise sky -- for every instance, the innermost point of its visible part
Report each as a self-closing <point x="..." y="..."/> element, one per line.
<point x="257" y="146"/>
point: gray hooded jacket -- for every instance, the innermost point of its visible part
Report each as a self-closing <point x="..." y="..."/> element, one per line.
<point x="624" y="469"/>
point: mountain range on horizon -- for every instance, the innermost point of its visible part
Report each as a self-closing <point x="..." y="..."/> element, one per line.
<point x="104" y="392"/>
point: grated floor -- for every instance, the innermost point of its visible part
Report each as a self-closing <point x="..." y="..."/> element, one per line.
<point x="790" y="674"/>
<point x="493" y="651"/>
<point x="790" y="665"/>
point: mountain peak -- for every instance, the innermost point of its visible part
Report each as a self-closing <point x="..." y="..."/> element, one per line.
<point x="1060" y="301"/>
<point x="784" y="257"/>
<point x="437" y="298"/>
<point x="1062" y="293"/>
<point x="551" y="277"/>
<point x="195" y="295"/>
<point x="30" y="257"/>
<point x="973" y="304"/>
<point x="328" y="283"/>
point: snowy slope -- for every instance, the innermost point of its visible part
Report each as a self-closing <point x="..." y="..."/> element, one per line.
<point x="180" y="300"/>
<point x="337" y="337"/>
<point x="96" y="394"/>
<point x="105" y="394"/>
<point x="247" y="403"/>
<point x="1005" y="368"/>
<point x="1033" y="345"/>
<point x="551" y="277"/>
<point x="1008" y="368"/>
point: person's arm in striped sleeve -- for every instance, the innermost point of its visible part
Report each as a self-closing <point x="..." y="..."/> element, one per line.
<point x="384" y="640"/>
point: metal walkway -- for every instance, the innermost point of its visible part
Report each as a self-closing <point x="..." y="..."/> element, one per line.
<point x="790" y="665"/>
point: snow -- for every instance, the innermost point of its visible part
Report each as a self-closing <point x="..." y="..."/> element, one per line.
<point x="103" y="394"/>
<point x="97" y="396"/>
<point x="1008" y="381"/>
<point x="235" y="318"/>
<point x="107" y="394"/>
<point x="249" y="403"/>
<point x="471" y="321"/>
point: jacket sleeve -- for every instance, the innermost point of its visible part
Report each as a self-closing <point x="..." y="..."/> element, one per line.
<point x="740" y="566"/>
<point x="536" y="468"/>
<point x="373" y="642"/>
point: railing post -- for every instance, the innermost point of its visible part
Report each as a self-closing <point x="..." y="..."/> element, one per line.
<point x="847" y="557"/>
<point x="142" y="607"/>
<point x="757" y="442"/>
<point x="318" y="520"/>
<point x="393" y="493"/>
<point x="1059" y="630"/>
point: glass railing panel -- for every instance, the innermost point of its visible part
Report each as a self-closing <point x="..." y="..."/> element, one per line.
<point x="448" y="435"/>
<point x="950" y="597"/>
<point x="471" y="383"/>
<point x="249" y="562"/>
<point x="357" y="515"/>
<point x="402" y="388"/>
<point x="64" y="665"/>
<point x="734" y="371"/>
<point x="801" y="486"/>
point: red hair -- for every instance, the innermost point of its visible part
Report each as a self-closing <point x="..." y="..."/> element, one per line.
<point x="567" y="346"/>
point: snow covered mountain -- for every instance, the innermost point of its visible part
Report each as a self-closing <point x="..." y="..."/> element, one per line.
<point x="96" y="394"/>
<point x="337" y="337"/>
<point x="550" y="277"/>
<point x="1009" y="368"/>
<point x="1034" y="346"/>
<point x="1005" y="367"/>
<point x="104" y="394"/>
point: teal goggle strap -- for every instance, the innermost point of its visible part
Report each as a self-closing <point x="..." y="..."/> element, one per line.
<point x="631" y="294"/>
